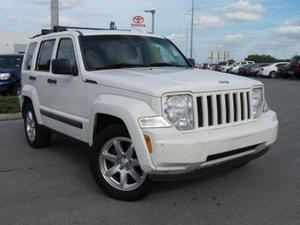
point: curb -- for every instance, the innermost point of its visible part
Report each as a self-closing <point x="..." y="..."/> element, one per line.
<point x="10" y="116"/>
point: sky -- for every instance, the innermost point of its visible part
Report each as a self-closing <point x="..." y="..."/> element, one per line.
<point x="241" y="27"/>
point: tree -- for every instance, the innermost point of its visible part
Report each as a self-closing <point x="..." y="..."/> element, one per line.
<point x="261" y="59"/>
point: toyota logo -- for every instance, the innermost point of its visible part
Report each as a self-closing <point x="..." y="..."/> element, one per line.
<point x="138" y="19"/>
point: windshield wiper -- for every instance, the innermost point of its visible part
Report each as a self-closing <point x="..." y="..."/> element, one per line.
<point x="167" y="64"/>
<point x="121" y="65"/>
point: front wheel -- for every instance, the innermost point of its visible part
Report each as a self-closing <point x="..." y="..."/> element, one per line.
<point x="115" y="166"/>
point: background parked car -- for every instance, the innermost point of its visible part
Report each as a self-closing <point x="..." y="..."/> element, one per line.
<point x="294" y="67"/>
<point x="204" y="66"/>
<point x="271" y="70"/>
<point x="252" y="70"/>
<point x="10" y="74"/>
<point x="235" y="67"/>
<point x="214" y="67"/>
<point x="283" y="71"/>
<point x="225" y="66"/>
<point x="243" y="69"/>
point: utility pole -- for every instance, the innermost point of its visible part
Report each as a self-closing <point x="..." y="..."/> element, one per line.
<point x="152" y="11"/>
<point x="186" y="41"/>
<point x="192" y="30"/>
<point x="54" y="13"/>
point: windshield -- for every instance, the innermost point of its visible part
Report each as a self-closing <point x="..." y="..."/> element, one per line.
<point x="10" y="62"/>
<point x="127" y="51"/>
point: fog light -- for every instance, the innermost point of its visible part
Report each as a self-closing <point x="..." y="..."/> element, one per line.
<point x="153" y="122"/>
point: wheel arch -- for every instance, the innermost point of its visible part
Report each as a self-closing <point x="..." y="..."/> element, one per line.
<point x="110" y="109"/>
<point x="29" y="95"/>
<point x="102" y="121"/>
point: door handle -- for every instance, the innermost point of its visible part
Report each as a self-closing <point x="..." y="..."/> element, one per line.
<point x="32" y="78"/>
<point x="52" y="81"/>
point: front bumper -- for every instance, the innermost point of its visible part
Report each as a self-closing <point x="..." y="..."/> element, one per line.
<point x="5" y="86"/>
<point x="212" y="169"/>
<point x="175" y="152"/>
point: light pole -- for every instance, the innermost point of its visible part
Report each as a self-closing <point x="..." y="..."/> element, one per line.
<point x="152" y="11"/>
<point x="54" y="13"/>
<point x="192" y="30"/>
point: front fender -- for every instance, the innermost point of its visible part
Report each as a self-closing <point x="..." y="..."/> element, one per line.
<point x="129" y="110"/>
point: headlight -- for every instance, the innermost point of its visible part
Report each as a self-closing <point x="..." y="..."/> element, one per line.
<point x="257" y="102"/>
<point x="4" y="76"/>
<point x="179" y="110"/>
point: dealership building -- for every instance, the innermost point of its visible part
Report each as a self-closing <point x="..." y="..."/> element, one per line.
<point x="14" y="42"/>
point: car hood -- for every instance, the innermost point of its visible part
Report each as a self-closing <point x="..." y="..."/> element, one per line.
<point x="5" y="70"/>
<point x="158" y="81"/>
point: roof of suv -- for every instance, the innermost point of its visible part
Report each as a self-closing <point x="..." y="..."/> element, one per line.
<point x="91" y="32"/>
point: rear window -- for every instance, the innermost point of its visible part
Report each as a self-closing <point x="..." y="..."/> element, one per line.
<point x="29" y="56"/>
<point x="45" y="54"/>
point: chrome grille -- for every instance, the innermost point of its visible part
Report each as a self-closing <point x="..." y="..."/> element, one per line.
<point x="217" y="109"/>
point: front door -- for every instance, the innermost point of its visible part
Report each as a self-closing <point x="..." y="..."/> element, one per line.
<point x="66" y="112"/>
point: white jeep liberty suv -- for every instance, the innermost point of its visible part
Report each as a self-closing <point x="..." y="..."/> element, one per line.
<point x="143" y="109"/>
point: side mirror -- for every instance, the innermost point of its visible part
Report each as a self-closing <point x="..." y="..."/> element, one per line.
<point x="192" y="62"/>
<point x="63" y="66"/>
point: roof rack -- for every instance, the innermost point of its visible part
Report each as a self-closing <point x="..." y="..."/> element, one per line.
<point x="66" y="28"/>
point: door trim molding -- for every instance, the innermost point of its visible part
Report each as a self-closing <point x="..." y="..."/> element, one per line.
<point x="62" y="119"/>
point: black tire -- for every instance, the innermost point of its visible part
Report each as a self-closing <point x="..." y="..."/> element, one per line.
<point x="101" y="140"/>
<point x="42" y="136"/>
<point x="273" y="75"/>
<point x="16" y="91"/>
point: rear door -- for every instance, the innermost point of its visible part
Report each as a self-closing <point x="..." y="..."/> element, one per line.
<point x="41" y="74"/>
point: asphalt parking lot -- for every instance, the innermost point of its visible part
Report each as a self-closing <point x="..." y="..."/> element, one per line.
<point x="54" y="185"/>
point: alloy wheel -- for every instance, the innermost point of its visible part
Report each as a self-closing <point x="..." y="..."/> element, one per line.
<point x="30" y="126"/>
<point x="119" y="164"/>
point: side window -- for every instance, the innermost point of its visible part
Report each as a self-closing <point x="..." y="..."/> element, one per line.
<point x="45" y="53"/>
<point x="66" y="51"/>
<point x="29" y="56"/>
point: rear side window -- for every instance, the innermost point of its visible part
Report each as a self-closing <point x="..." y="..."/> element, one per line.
<point x="29" y="56"/>
<point x="66" y="51"/>
<point x="279" y="65"/>
<point x="45" y="53"/>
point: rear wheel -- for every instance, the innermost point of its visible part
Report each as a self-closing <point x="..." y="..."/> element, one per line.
<point x="115" y="166"/>
<point x="273" y="74"/>
<point x="16" y="91"/>
<point x="36" y="135"/>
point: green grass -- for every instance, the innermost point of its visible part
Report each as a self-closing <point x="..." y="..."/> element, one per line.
<point x="9" y="104"/>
